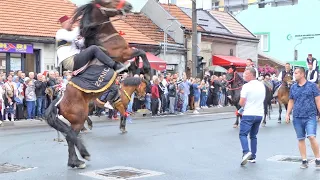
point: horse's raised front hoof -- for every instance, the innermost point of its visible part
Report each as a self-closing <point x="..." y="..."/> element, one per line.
<point x="77" y="164"/>
<point x="235" y="126"/>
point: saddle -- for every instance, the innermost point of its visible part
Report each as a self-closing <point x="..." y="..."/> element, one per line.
<point x="94" y="77"/>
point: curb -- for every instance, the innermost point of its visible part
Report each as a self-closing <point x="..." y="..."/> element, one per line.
<point x="103" y="119"/>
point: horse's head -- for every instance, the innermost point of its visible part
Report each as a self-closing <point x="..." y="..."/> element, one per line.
<point x="113" y="5"/>
<point x="135" y="84"/>
<point x="288" y="80"/>
<point x="141" y="90"/>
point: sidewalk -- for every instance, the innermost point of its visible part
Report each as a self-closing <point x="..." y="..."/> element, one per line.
<point x="104" y="118"/>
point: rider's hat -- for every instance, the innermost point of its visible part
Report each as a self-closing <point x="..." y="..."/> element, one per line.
<point x="309" y="54"/>
<point x="63" y="19"/>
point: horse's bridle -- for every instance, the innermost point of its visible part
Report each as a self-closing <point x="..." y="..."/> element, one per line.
<point x="104" y="10"/>
<point x="233" y="79"/>
<point x="126" y="93"/>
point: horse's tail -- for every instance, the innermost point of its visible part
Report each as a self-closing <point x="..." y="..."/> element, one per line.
<point x="51" y="116"/>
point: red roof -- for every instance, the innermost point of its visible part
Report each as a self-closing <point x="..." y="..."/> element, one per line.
<point x="145" y="25"/>
<point x="33" y="17"/>
<point x="182" y="17"/>
<point x="228" y="61"/>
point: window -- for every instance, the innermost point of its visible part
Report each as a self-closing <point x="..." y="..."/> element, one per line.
<point x="264" y="42"/>
<point x="215" y="3"/>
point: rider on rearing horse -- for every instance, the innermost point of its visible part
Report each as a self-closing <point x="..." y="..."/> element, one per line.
<point x="73" y="59"/>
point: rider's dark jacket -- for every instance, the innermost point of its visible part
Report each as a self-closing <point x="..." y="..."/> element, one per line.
<point x="284" y="73"/>
<point x="313" y="76"/>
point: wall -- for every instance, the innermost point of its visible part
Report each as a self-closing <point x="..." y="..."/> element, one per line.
<point x="247" y="50"/>
<point x="175" y="58"/>
<point x="222" y="47"/>
<point x="283" y="24"/>
<point x="154" y="10"/>
<point x="47" y="55"/>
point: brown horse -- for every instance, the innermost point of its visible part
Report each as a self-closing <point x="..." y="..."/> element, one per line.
<point x="128" y="87"/>
<point x="283" y="94"/>
<point x="74" y="104"/>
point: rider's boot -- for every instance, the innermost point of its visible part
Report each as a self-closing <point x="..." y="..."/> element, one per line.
<point x="119" y="67"/>
<point x="108" y="105"/>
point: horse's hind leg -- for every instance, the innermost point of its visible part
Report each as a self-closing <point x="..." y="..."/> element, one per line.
<point x="123" y="122"/>
<point x="236" y="124"/>
<point x="73" y="160"/>
<point x="89" y="121"/>
<point x="280" y="111"/>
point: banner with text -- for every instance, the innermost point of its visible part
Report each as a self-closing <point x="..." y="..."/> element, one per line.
<point x="16" y="48"/>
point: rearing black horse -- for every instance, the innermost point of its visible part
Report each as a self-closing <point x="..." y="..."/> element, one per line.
<point x="236" y="83"/>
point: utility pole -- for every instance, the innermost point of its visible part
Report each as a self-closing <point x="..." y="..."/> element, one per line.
<point x="194" y="38"/>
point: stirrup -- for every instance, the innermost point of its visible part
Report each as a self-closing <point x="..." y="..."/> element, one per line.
<point x="125" y="66"/>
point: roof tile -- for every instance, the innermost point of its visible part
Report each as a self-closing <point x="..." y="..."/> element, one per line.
<point x="142" y="23"/>
<point x="231" y="23"/>
<point x="41" y="19"/>
<point x="182" y="17"/>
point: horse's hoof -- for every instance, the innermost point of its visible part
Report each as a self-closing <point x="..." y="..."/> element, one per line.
<point x="86" y="158"/>
<point x="263" y="124"/>
<point x="82" y="166"/>
<point x="279" y="121"/>
<point x="235" y="126"/>
<point x="60" y="140"/>
<point x="90" y="127"/>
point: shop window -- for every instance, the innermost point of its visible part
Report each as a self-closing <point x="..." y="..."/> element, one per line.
<point x="15" y="61"/>
<point x="3" y="62"/>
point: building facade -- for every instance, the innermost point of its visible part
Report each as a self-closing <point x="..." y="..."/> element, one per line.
<point x="284" y="29"/>
<point x="28" y="44"/>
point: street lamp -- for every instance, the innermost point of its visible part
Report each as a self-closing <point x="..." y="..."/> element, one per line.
<point x="165" y="37"/>
<point x="295" y="56"/>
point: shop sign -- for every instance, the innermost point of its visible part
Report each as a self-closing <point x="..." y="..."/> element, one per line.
<point x="16" y="48"/>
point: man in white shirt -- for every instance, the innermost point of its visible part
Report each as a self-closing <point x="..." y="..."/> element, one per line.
<point x="70" y="55"/>
<point x="251" y="99"/>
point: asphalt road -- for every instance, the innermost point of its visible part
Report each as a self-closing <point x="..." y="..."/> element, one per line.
<point x="192" y="147"/>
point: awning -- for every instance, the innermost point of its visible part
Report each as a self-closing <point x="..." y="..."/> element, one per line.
<point x="228" y="61"/>
<point x="155" y="62"/>
<point x="216" y="68"/>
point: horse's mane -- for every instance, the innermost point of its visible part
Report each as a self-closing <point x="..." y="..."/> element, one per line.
<point x="87" y="29"/>
<point x="132" y="81"/>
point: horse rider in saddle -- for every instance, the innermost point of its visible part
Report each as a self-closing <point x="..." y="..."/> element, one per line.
<point x="73" y="58"/>
<point x="312" y="74"/>
<point x="282" y="74"/>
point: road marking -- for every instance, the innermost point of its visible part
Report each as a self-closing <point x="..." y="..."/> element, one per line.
<point x="10" y="168"/>
<point x="121" y="173"/>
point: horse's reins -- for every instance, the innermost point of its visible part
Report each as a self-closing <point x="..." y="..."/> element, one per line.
<point x="127" y="95"/>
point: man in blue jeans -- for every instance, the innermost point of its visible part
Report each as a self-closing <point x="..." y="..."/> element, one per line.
<point x="251" y="100"/>
<point x="304" y="99"/>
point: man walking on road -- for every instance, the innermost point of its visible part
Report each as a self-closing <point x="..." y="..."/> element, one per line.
<point x="251" y="99"/>
<point x="305" y="101"/>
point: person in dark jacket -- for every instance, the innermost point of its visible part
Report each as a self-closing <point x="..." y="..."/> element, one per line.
<point x="51" y="83"/>
<point x="41" y="86"/>
<point x="172" y="93"/>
